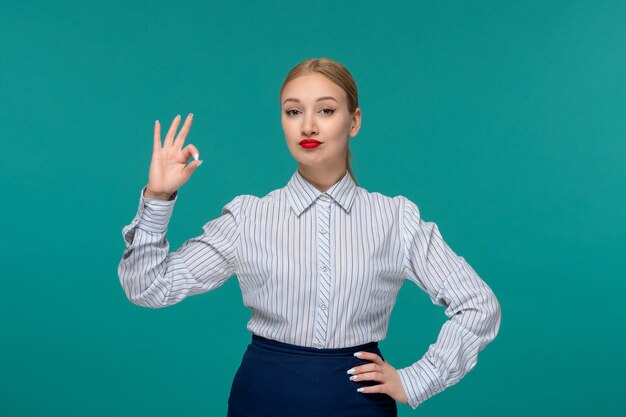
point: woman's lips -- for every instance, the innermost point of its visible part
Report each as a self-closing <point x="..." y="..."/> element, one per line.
<point x="310" y="143"/>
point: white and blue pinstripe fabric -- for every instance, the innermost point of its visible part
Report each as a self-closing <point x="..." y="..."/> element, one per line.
<point x="320" y="270"/>
<point x="325" y="286"/>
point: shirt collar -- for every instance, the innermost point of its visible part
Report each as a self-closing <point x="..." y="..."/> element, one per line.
<point x="301" y="193"/>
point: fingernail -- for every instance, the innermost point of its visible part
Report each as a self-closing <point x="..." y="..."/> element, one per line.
<point x="196" y="156"/>
<point x="357" y="353"/>
<point x="156" y="122"/>
<point x="190" y="114"/>
<point x="199" y="163"/>
<point x="360" y="389"/>
<point x="353" y="377"/>
<point x="350" y="371"/>
<point x="178" y="116"/>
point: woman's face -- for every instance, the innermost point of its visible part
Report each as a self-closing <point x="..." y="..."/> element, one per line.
<point x="313" y="107"/>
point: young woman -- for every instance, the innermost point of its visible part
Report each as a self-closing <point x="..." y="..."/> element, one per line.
<point x="319" y="261"/>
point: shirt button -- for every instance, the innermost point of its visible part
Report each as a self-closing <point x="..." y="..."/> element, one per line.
<point x="319" y="345"/>
<point x="323" y="306"/>
<point x="325" y="268"/>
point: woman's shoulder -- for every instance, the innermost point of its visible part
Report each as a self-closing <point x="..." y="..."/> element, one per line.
<point x="248" y="202"/>
<point x="378" y="197"/>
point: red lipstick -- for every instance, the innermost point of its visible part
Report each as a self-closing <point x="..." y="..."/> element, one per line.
<point x="310" y="143"/>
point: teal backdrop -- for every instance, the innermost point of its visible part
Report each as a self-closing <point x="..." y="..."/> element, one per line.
<point x="504" y="122"/>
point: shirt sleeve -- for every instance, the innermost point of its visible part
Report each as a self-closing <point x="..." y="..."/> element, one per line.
<point x="472" y="309"/>
<point x="154" y="277"/>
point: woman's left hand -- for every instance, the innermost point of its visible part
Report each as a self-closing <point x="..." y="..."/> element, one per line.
<point x="381" y="371"/>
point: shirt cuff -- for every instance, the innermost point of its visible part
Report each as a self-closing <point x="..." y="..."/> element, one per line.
<point x="154" y="213"/>
<point x="420" y="381"/>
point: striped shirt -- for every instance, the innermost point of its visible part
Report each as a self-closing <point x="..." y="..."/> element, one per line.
<point x="319" y="269"/>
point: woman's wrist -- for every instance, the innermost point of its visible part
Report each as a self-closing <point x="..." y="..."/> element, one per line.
<point x="161" y="196"/>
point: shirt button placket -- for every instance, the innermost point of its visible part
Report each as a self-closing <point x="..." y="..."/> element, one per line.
<point x="324" y="281"/>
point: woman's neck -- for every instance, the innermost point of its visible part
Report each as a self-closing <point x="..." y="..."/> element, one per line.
<point x="322" y="179"/>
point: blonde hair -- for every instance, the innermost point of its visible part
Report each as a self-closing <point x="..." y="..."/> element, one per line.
<point x="336" y="73"/>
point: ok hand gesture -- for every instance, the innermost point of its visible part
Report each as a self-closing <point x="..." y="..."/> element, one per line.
<point x="168" y="169"/>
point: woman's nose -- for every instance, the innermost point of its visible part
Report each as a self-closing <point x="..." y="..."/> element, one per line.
<point x="308" y="125"/>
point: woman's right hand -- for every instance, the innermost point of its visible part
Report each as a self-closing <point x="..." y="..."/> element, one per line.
<point x="168" y="169"/>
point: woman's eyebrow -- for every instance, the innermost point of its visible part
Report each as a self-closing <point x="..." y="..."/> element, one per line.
<point x="319" y="99"/>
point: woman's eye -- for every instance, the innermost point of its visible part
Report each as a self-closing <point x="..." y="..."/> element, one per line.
<point x="293" y="112"/>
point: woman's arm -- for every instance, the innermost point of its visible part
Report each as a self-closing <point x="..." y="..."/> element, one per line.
<point x="153" y="277"/>
<point x="471" y="306"/>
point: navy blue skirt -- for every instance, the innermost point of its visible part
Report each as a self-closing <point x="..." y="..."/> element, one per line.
<point x="281" y="379"/>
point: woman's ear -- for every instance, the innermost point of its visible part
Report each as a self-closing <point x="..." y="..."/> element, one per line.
<point x="356" y="122"/>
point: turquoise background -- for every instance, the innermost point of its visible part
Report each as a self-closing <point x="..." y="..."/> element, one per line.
<point x="503" y="121"/>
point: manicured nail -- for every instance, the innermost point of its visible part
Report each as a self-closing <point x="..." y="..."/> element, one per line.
<point x="353" y="377"/>
<point x="156" y="122"/>
<point x="199" y="163"/>
<point x="357" y="353"/>
<point x="350" y="371"/>
<point x="196" y="156"/>
<point x="360" y="389"/>
<point x="190" y="114"/>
